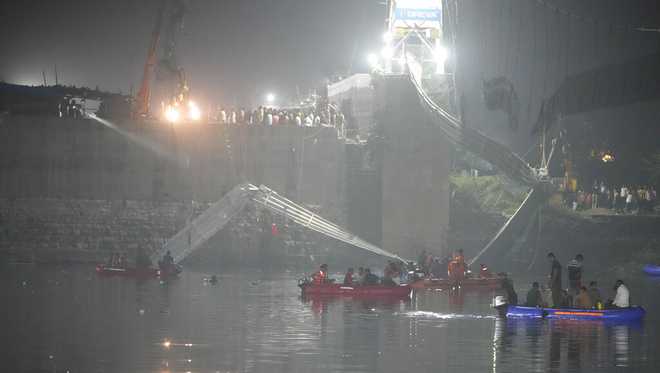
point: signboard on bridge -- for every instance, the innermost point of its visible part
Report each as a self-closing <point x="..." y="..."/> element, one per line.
<point x="425" y="14"/>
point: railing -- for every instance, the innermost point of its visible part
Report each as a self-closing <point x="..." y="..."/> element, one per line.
<point x="202" y="228"/>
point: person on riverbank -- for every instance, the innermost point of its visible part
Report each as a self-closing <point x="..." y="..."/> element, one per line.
<point x="534" y="297"/>
<point x="555" y="280"/>
<point x="622" y="297"/>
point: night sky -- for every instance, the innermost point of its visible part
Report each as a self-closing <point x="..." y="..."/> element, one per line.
<point x="230" y="49"/>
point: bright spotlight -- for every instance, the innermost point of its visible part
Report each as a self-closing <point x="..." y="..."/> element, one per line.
<point x="441" y="55"/>
<point x="172" y="114"/>
<point x="387" y="53"/>
<point x="193" y="111"/>
<point x="372" y="59"/>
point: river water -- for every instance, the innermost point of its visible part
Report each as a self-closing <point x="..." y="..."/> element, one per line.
<point x="59" y="319"/>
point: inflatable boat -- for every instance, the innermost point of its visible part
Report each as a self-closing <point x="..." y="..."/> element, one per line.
<point x="652" y="270"/>
<point x="617" y="314"/>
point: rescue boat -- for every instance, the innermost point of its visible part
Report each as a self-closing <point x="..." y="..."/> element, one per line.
<point x="618" y="314"/>
<point x="652" y="270"/>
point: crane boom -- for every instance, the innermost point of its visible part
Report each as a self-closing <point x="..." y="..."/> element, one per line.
<point x="144" y="94"/>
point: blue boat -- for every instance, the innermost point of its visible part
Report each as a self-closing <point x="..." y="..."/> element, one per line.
<point x="652" y="270"/>
<point x="617" y="314"/>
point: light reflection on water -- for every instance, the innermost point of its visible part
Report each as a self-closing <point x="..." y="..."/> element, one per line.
<point x="61" y="319"/>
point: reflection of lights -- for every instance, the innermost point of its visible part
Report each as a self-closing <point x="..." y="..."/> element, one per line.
<point x="172" y="114"/>
<point x="193" y="111"/>
<point x="372" y="59"/>
<point x="607" y="158"/>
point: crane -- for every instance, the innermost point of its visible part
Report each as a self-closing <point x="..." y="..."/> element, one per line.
<point x="175" y="100"/>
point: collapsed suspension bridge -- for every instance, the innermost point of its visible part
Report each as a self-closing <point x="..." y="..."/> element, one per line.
<point x="203" y="227"/>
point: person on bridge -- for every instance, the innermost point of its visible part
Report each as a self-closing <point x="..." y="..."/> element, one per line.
<point x="555" y="279"/>
<point x="348" y="278"/>
<point x="321" y="276"/>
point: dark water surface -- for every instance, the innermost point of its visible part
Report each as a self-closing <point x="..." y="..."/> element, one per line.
<point x="69" y="319"/>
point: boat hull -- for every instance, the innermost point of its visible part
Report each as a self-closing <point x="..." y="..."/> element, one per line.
<point x="652" y="270"/>
<point x="355" y="291"/>
<point x="618" y="314"/>
<point x="136" y="272"/>
<point x="491" y="283"/>
<point x="126" y="272"/>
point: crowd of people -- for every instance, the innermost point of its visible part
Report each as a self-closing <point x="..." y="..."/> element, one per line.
<point x="577" y="295"/>
<point x="269" y="116"/>
<point x="392" y="275"/>
<point x="622" y="200"/>
<point x="452" y="267"/>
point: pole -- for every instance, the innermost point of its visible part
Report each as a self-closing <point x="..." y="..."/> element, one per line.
<point x="57" y="80"/>
<point x="43" y="74"/>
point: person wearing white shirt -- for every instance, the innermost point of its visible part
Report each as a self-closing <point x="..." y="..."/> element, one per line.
<point x="622" y="297"/>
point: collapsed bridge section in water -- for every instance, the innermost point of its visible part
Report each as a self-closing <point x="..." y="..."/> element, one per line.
<point x="202" y="228"/>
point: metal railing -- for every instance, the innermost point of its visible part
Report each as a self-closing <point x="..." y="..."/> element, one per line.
<point x="202" y="228"/>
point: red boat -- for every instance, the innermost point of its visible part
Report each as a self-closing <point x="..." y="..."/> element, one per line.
<point x="472" y="283"/>
<point x="309" y="289"/>
<point x="104" y="270"/>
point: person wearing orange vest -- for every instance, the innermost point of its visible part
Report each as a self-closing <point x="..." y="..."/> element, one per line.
<point x="320" y="277"/>
<point x="457" y="267"/>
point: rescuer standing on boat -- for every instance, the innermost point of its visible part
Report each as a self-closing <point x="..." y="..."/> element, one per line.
<point x="321" y="276"/>
<point x="555" y="280"/>
<point x="457" y="267"/>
